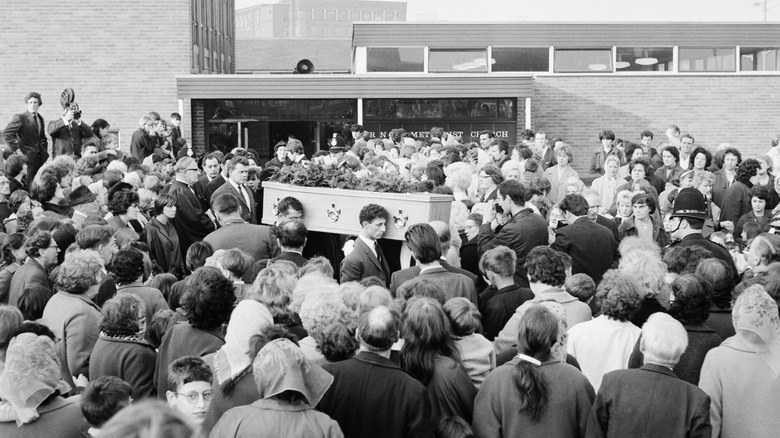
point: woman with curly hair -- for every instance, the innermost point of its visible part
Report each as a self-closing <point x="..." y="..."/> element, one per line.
<point x="431" y="356"/>
<point x="71" y="314"/>
<point x="736" y="200"/>
<point x="642" y="260"/>
<point x="121" y="349"/>
<point x="320" y="309"/>
<point x="534" y="394"/>
<point x="48" y="191"/>
<point x="605" y="343"/>
<point x="207" y="303"/>
<point x="125" y="211"/>
<point x="127" y="267"/>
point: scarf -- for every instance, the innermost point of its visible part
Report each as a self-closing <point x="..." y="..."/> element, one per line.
<point x="248" y="319"/>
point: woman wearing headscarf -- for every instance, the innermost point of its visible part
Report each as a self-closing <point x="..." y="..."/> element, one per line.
<point x="232" y="363"/>
<point x="30" y="383"/>
<point x="535" y="394"/>
<point x="289" y="386"/>
<point x="121" y="349"/>
<point x="742" y="376"/>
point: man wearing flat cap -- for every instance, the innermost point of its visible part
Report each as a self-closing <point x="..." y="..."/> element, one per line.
<point x="686" y="222"/>
<point x="25" y="135"/>
<point x="84" y="204"/>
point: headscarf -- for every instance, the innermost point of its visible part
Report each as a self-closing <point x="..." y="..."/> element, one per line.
<point x="756" y="312"/>
<point x="247" y="319"/>
<point x="558" y="351"/>
<point x="281" y="366"/>
<point x="31" y="373"/>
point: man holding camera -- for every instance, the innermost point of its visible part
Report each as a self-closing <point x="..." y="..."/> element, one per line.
<point x="69" y="131"/>
<point x="25" y="136"/>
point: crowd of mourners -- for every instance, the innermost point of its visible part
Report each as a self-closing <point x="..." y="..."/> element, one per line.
<point x="142" y="297"/>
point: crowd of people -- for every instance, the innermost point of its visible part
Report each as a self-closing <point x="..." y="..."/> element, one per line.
<point x="142" y="297"/>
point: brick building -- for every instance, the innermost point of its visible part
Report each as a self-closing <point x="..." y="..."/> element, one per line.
<point x="717" y="81"/>
<point x="121" y="58"/>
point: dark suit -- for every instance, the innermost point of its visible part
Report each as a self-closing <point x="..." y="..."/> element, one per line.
<point x="248" y="212"/>
<point x="373" y="397"/>
<point x="717" y="251"/>
<point x="256" y="240"/>
<point x="592" y="247"/>
<point x="67" y="137"/>
<point x="259" y="265"/>
<point x="547" y="160"/>
<point x="452" y="284"/>
<point x="142" y="144"/>
<point x="191" y="222"/>
<point x="30" y="274"/>
<point x="400" y="277"/>
<point x="501" y="306"/>
<point x="213" y="185"/>
<point x="649" y="402"/>
<point x="22" y="134"/>
<point x="610" y="224"/>
<point x="362" y="263"/>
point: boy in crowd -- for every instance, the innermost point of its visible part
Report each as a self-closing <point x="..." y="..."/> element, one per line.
<point x="102" y="399"/>
<point x="189" y="387"/>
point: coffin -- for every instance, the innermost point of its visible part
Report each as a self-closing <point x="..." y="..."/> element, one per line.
<point x="337" y="210"/>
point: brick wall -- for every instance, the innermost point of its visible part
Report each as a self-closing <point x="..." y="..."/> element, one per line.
<point x="120" y="58"/>
<point x="741" y="110"/>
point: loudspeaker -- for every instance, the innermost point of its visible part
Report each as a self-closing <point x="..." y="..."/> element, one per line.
<point x="304" y="67"/>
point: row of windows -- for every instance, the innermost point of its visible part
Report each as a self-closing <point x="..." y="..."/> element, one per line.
<point x="211" y="46"/>
<point x="330" y="30"/>
<point x="349" y="15"/>
<point x="596" y="60"/>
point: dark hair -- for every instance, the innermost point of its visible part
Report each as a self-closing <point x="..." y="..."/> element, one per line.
<point x="493" y="172"/>
<point x="575" y="204"/>
<point x="672" y="150"/>
<point x="514" y="189"/>
<point x="121" y="202"/>
<point x="545" y="265"/>
<point x="127" y="265"/>
<point x="630" y="149"/>
<point x="735" y="152"/>
<point x="43" y="190"/>
<point x="188" y="369"/>
<point x="751" y="230"/>
<point x="646" y="133"/>
<point x="645" y="199"/>
<point x="422" y="288"/>
<point x="338" y="342"/>
<point x="36" y="329"/>
<point x="684" y="260"/>
<point x="581" y="286"/>
<point x="226" y="203"/>
<point x="700" y="150"/>
<point x="292" y="234"/>
<point x="620" y="295"/>
<point x="435" y="174"/>
<point x="371" y="212"/>
<point x="32" y="302"/>
<point x="609" y="135"/>
<point x="11" y="243"/>
<point x="288" y="203"/>
<point x="644" y="162"/>
<point x="14" y="165"/>
<point x="163" y="200"/>
<point x="209" y="299"/>
<point x="453" y="427"/>
<point x="97" y="125"/>
<point x="156" y="328"/>
<point x="197" y="254"/>
<point x="16" y="200"/>
<point x="423" y="242"/>
<point x="747" y="169"/>
<point x="720" y="278"/>
<point x="760" y="192"/>
<point x="103" y="398"/>
<point x="119" y="316"/>
<point x="537" y="333"/>
<point x="465" y="318"/>
<point x="426" y="330"/>
<point x="692" y="299"/>
<point x="36" y="243"/>
<point x="94" y="235"/>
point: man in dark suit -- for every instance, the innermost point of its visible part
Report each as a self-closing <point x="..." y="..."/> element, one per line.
<point x="366" y="259"/>
<point x="193" y="222"/>
<point x="291" y="238"/>
<point x="594" y="203"/>
<point x="141" y="143"/>
<point x="212" y="165"/>
<point x="234" y="232"/>
<point x="371" y="395"/>
<point x="238" y="169"/>
<point x="426" y="249"/>
<point x="25" y="135"/>
<point x="524" y="231"/>
<point x="41" y="252"/>
<point x="592" y="247"/>
<point x="443" y="231"/>
<point x="175" y="132"/>
<point x="489" y="179"/>
<point x="68" y="132"/>
<point x="652" y="400"/>
<point x="545" y="155"/>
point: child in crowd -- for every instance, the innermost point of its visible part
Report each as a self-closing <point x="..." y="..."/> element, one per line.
<point x="189" y="387"/>
<point x="476" y="352"/>
<point x="102" y="399"/>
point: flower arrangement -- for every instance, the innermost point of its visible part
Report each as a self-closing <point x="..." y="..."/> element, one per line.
<point x="319" y="175"/>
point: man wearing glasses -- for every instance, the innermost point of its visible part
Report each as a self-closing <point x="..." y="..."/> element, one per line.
<point x="193" y="218"/>
<point x="189" y="387"/>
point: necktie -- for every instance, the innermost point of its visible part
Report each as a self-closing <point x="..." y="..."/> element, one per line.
<point x="37" y="127"/>
<point x="379" y="256"/>
<point x="245" y="194"/>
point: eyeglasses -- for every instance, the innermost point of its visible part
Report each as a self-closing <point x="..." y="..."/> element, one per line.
<point x="193" y="170"/>
<point x="192" y="397"/>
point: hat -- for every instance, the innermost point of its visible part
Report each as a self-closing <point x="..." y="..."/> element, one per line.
<point x="281" y="144"/>
<point x="337" y="144"/>
<point x="81" y="195"/>
<point x="690" y="203"/>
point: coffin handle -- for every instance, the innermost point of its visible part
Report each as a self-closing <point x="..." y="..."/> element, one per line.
<point x="276" y="207"/>
<point x="400" y="219"/>
<point x="334" y="213"/>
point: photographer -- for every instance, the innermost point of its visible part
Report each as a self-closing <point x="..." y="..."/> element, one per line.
<point x="69" y="131"/>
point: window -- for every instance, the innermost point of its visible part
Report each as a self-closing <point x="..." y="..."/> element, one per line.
<point x="583" y="60"/>
<point x="395" y="59"/>
<point x="441" y="109"/>
<point x="644" y="59"/>
<point x="457" y="61"/>
<point x="521" y="59"/>
<point x="694" y="59"/>
<point x="759" y="59"/>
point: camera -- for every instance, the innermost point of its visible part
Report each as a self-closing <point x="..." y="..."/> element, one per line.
<point x="497" y="209"/>
<point x="73" y="106"/>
